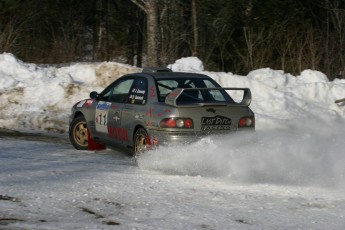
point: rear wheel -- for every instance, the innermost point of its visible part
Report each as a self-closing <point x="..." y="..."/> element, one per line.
<point x="140" y="142"/>
<point x="78" y="133"/>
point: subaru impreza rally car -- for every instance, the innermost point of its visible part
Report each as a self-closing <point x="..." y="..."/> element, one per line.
<point x="158" y="107"/>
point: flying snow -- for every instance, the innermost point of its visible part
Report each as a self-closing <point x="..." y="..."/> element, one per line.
<point x="304" y="155"/>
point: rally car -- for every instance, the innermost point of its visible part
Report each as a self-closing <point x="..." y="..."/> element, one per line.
<point x="140" y="111"/>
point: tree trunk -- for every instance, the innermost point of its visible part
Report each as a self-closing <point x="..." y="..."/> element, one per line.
<point x="195" y="30"/>
<point x="152" y="33"/>
<point x="100" y="33"/>
<point x="150" y="7"/>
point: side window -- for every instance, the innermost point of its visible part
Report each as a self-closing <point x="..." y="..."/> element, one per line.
<point x="138" y="92"/>
<point x="119" y="92"/>
<point x="165" y="87"/>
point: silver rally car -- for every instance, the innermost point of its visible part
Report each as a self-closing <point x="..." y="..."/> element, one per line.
<point x="158" y="107"/>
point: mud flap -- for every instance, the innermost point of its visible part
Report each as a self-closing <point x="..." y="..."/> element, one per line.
<point x="151" y="142"/>
<point x="148" y="142"/>
<point x="93" y="145"/>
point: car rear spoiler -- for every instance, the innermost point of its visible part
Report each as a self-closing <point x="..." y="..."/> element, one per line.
<point x="171" y="98"/>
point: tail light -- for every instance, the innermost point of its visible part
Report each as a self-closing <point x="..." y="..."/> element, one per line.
<point x="176" y="122"/>
<point x="246" y="122"/>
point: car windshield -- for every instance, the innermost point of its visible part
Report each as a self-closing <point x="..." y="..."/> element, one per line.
<point x="212" y="95"/>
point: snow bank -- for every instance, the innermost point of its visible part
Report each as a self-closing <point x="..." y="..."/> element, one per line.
<point x="278" y="96"/>
<point x="187" y="64"/>
<point x="39" y="98"/>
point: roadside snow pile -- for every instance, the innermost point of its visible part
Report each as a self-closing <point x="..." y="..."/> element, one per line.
<point x="188" y="64"/>
<point x="279" y="96"/>
<point x="39" y="98"/>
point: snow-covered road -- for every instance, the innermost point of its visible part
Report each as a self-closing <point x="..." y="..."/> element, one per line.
<point x="46" y="184"/>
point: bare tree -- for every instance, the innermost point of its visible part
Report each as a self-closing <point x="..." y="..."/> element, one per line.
<point x="150" y="7"/>
<point x="100" y="46"/>
<point x="256" y="52"/>
<point x="10" y="33"/>
<point x="175" y="30"/>
<point x="195" y="29"/>
<point x="337" y="17"/>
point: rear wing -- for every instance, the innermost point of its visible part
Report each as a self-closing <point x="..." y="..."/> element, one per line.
<point x="171" y="98"/>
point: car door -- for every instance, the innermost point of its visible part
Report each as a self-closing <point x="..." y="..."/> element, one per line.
<point x="120" y="96"/>
<point x="109" y="110"/>
<point x="134" y="110"/>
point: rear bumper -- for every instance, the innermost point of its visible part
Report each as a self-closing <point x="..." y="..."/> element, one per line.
<point x="180" y="138"/>
<point x="171" y="138"/>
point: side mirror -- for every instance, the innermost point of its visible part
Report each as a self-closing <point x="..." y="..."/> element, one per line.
<point x="94" y="95"/>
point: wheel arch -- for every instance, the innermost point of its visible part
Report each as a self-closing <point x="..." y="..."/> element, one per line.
<point x="138" y="126"/>
<point x="78" y="114"/>
<point x="74" y="116"/>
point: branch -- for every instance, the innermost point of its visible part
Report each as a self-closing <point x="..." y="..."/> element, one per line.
<point x="340" y="100"/>
<point x="141" y="4"/>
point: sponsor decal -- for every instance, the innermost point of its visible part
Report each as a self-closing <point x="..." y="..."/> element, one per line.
<point x="164" y="112"/>
<point x="139" y="116"/>
<point x="116" y="116"/>
<point x="118" y="133"/>
<point x="212" y="110"/>
<point x="103" y="105"/>
<point x="137" y="96"/>
<point x="150" y="112"/>
<point x="215" y="123"/>
<point x="138" y="91"/>
<point x="101" y="119"/>
<point x="151" y="124"/>
<point x="101" y="116"/>
<point x="152" y="92"/>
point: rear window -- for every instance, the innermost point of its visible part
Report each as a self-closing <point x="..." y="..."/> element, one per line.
<point x="166" y="86"/>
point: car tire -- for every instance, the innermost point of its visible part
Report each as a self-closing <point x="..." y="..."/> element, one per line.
<point x="78" y="133"/>
<point x="139" y="141"/>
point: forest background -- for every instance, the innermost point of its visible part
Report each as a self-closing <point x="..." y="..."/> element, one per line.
<point x="227" y="35"/>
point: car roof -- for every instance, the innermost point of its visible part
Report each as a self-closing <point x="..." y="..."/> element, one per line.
<point x="172" y="75"/>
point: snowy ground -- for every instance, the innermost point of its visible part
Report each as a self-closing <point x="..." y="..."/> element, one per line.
<point x="46" y="184"/>
<point x="289" y="174"/>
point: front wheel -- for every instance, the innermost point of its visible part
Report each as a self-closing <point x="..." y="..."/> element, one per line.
<point x="78" y="133"/>
<point x="140" y="142"/>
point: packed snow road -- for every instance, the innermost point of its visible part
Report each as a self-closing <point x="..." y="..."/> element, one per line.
<point x="46" y="184"/>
